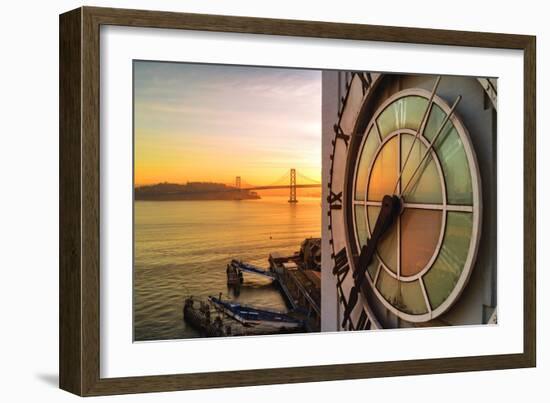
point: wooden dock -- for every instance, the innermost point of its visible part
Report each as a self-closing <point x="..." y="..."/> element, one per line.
<point x="297" y="276"/>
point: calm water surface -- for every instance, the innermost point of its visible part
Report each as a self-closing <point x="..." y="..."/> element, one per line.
<point x="182" y="249"/>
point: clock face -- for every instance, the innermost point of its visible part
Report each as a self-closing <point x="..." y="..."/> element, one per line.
<point x="414" y="147"/>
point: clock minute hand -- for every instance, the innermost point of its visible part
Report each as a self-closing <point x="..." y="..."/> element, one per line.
<point x="391" y="206"/>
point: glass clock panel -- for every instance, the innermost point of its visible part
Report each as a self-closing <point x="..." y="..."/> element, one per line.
<point x="373" y="267"/>
<point x="420" y="230"/>
<point x="387" y="246"/>
<point x="384" y="172"/>
<point x="436" y="118"/>
<point x="404" y="113"/>
<point x="361" y="225"/>
<point x="367" y="154"/>
<point x="442" y="277"/>
<point x="372" y="215"/>
<point x="452" y="156"/>
<point x="406" y="297"/>
<point x="426" y="184"/>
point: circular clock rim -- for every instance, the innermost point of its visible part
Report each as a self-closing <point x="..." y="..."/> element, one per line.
<point x="476" y="201"/>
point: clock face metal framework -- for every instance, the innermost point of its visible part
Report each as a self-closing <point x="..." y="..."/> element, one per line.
<point x="415" y="146"/>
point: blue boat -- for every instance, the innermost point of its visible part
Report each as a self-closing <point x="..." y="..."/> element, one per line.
<point x="250" y="316"/>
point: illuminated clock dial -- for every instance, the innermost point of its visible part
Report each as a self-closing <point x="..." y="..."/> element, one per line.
<point x="415" y="148"/>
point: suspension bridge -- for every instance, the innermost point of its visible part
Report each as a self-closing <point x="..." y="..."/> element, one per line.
<point x="292" y="180"/>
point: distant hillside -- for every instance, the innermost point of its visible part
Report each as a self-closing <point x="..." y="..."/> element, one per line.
<point x="192" y="191"/>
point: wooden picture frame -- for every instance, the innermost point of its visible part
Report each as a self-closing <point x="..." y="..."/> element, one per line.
<point x="79" y="346"/>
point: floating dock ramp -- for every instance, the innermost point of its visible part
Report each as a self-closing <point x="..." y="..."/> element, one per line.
<point x="249" y="268"/>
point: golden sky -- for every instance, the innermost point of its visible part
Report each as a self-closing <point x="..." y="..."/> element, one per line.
<point x="196" y="122"/>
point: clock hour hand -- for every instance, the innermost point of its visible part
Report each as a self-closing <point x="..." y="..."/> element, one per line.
<point x="391" y="206"/>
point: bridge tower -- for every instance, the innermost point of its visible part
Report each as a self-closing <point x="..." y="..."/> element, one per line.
<point x="238" y="186"/>
<point x="293" y="186"/>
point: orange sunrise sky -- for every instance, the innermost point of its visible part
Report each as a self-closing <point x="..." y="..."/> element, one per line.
<point x="196" y="122"/>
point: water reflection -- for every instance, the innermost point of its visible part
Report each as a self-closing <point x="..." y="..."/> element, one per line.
<point x="182" y="248"/>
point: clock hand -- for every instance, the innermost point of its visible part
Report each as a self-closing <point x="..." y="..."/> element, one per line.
<point x="391" y="206"/>
<point x="432" y="143"/>
<point x="418" y="132"/>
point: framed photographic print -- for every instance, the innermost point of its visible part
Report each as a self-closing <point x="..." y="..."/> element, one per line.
<point x="249" y="201"/>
